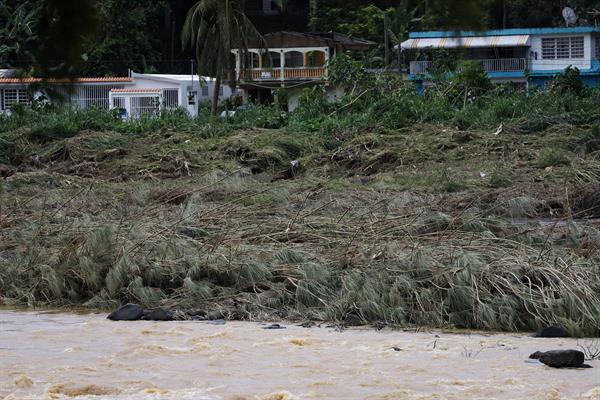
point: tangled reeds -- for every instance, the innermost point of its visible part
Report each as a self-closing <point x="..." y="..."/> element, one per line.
<point x="313" y="253"/>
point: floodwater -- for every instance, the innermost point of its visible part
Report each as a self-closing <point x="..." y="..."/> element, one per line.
<point x="70" y="356"/>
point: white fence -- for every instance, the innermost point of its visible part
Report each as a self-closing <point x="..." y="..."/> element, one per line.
<point x="491" y="65"/>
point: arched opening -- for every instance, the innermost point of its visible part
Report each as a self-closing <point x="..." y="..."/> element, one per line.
<point x="315" y="58"/>
<point x="271" y="59"/>
<point x="294" y="59"/>
<point x="252" y="60"/>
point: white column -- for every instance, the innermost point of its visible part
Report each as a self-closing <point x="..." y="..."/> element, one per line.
<point x="282" y="64"/>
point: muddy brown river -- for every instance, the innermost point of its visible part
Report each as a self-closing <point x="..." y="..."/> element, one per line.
<point x="66" y="356"/>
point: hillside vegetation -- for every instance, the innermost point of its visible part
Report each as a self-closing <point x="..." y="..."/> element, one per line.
<point x="443" y="209"/>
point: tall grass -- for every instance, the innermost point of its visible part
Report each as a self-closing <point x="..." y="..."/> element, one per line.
<point x="107" y="245"/>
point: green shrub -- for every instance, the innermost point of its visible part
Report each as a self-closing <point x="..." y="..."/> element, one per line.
<point x="568" y="81"/>
<point x="550" y="157"/>
<point x="500" y="178"/>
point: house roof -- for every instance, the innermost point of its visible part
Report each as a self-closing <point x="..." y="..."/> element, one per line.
<point x="504" y="32"/>
<point x="287" y="39"/>
<point x="133" y="90"/>
<point x="30" y="80"/>
<point x="173" y="78"/>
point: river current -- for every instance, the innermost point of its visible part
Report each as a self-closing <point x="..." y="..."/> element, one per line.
<point x="47" y="355"/>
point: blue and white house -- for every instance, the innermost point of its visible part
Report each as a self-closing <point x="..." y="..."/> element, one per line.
<point x="526" y="57"/>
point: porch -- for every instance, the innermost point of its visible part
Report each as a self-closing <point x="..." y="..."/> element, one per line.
<point x="298" y="64"/>
<point x="488" y="65"/>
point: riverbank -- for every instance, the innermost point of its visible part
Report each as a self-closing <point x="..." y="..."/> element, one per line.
<point x="86" y="356"/>
<point x="418" y="226"/>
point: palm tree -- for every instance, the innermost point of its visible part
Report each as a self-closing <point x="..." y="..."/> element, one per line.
<point x="215" y="28"/>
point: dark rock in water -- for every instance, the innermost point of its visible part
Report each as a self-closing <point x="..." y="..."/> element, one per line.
<point x="215" y="315"/>
<point x="158" y="314"/>
<point x="274" y="326"/>
<point x="216" y="322"/>
<point x="552" y="332"/>
<point x="308" y="324"/>
<point x="536" y="355"/>
<point x="352" y="320"/>
<point x="396" y="348"/>
<point x="197" y="314"/>
<point x="128" y="312"/>
<point x="563" y="358"/>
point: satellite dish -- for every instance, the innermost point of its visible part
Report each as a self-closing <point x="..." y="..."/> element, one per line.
<point x="570" y="16"/>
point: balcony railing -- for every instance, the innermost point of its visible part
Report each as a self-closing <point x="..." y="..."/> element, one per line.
<point x="491" y="65"/>
<point x="283" y="74"/>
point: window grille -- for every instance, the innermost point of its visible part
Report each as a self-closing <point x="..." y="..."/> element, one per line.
<point x="563" y="48"/>
<point x="118" y="102"/>
<point x="205" y="90"/>
<point x="146" y="105"/>
<point x="171" y="98"/>
<point x="14" y="96"/>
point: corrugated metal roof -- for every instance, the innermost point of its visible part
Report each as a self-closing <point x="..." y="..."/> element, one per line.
<point x="467" y="42"/>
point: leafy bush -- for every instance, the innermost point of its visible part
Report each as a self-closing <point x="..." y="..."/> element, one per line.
<point x="550" y="157"/>
<point x="568" y="81"/>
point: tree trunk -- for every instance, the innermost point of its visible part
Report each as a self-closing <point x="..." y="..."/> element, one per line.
<point x="215" y="97"/>
<point x="386" y="41"/>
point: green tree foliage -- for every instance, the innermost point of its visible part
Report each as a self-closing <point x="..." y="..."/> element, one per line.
<point x="214" y="28"/>
<point x="128" y="38"/>
<point x="63" y="28"/>
<point x="17" y="36"/>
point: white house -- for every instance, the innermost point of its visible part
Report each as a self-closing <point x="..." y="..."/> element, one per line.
<point x="136" y="94"/>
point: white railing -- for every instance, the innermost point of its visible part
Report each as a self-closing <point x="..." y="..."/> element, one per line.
<point x="491" y="65"/>
<point x="276" y="74"/>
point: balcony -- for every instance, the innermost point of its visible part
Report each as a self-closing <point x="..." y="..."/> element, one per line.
<point x="491" y="65"/>
<point x="284" y="74"/>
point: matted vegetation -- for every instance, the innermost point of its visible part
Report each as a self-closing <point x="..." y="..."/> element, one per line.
<point x="408" y="210"/>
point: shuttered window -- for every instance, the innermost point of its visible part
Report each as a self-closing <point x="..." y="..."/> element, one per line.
<point x="14" y="96"/>
<point x="563" y="48"/>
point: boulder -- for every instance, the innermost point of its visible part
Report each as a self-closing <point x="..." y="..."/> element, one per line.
<point x="536" y="355"/>
<point x="352" y="319"/>
<point x="552" y="332"/>
<point x="274" y="326"/>
<point x="213" y="315"/>
<point x="563" y="358"/>
<point x="158" y="314"/>
<point x="128" y="312"/>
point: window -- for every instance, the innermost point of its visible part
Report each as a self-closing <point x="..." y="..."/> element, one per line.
<point x="562" y="48"/>
<point x="192" y="98"/>
<point x="171" y="98"/>
<point x="597" y="47"/>
<point x="144" y="105"/>
<point x="205" y="90"/>
<point x="118" y="102"/>
<point x="14" y="96"/>
<point x="221" y="90"/>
